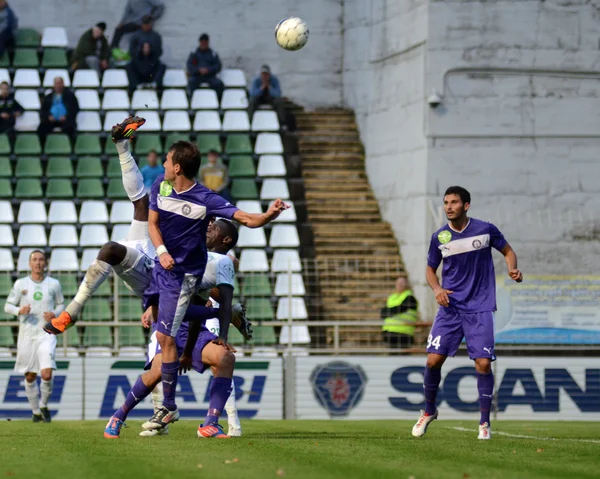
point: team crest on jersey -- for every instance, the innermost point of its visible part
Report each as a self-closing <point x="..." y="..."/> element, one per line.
<point x="477" y="244"/>
<point x="38" y="295"/>
<point x="186" y="209"/>
<point x="165" y="188"/>
<point x="338" y="386"/>
<point x="444" y="236"/>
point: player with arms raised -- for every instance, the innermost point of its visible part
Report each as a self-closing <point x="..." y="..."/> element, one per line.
<point x="467" y="299"/>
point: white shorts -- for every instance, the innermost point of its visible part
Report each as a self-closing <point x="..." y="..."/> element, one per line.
<point x="136" y="268"/>
<point x="153" y="348"/>
<point x="34" y="355"/>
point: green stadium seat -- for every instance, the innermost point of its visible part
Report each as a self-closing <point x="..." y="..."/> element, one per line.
<point x="100" y="336"/>
<point x="89" y="167"/>
<point x="124" y="291"/>
<point x="7" y="339"/>
<point x="256" y="285"/>
<point x="27" y="37"/>
<point x="130" y="309"/>
<point x="28" y="188"/>
<point x="4" y="61"/>
<point x="68" y="282"/>
<point x="28" y="144"/>
<point x="5" y="167"/>
<point x="131" y="336"/>
<point x="235" y="337"/>
<point x="113" y="170"/>
<point x="59" y="188"/>
<point x="4" y="144"/>
<point x="145" y="143"/>
<point x="244" y="189"/>
<point x="6" y="284"/>
<point x="28" y="167"/>
<point x="238" y="144"/>
<point x="208" y="142"/>
<point x="174" y="137"/>
<point x="90" y="188"/>
<point x="87" y="144"/>
<point x="259" y="309"/>
<point x="5" y="316"/>
<point x="105" y="289"/>
<point x="241" y="166"/>
<point x="57" y="144"/>
<point x="115" y="190"/>
<point x="72" y="335"/>
<point x="6" y="190"/>
<point x="25" y="58"/>
<point x="59" y="167"/>
<point x="97" y="310"/>
<point x="263" y="336"/>
<point x="54" y="58"/>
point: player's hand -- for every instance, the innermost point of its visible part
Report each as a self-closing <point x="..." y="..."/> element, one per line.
<point x="146" y="318"/>
<point x="276" y="209"/>
<point x="48" y="315"/>
<point x="441" y="296"/>
<point x="516" y="275"/>
<point x="185" y="364"/>
<point x="223" y="342"/>
<point x="166" y="261"/>
<point x="25" y="309"/>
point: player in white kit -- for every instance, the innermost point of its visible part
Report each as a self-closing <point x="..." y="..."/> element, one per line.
<point x="36" y="299"/>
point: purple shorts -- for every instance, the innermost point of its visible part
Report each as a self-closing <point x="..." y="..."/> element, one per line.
<point x="451" y="326"/>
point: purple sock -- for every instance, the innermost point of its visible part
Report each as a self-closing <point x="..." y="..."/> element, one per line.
<point x="219" y="393"/>
<point x="431" y="384"/>
<point x="137" y="394"/>
<point x="200" y="313"/>
<point x="169" y="380"/>
<point x="485" y="387"/>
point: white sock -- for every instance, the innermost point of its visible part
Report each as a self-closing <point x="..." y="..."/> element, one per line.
<point x="94" y="277"/>
<point x="230" y="407"/>
<point x="133" y="181"/>
<point x="32" y="392"/>
<point x="157" y="397"/>
<point x="46" y="389"/>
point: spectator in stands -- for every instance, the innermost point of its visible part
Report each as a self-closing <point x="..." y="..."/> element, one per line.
<point x="135" y="11"/>
<point x="214" y="175"/>
<point x="59" y="110"/>
<point x="8" y="27"/>
<point x="9" y="109"/>
<point x="146" y="35"/>
<point x="145" y="68"/>
<point x="152" y="170"/>
<point x="400" y="316"/>
<point x="265" y="89"/>
<point x="203" y="66"/>
<point x="92" y="50"/>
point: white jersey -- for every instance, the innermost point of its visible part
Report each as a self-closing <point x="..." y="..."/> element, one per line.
<point x="43" y="297"/>
<point x="219" y="270"/>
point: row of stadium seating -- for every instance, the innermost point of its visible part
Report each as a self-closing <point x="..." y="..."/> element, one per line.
<point x="50" y="37"/>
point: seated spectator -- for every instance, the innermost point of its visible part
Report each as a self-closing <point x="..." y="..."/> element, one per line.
<point x="214" y="175"/>
<point x="152" y="170"/>
<point x="203" y="66"/>
<point x="265" y="90"/>
<point x="145" y="68"/>
<point x="135" y="11"/>
<point x="8" y="27"/>
<point x="92" y="50"/>
<point x="146" y="35"/>
<point x="9" y="109"/>
<point x="59" y="110"/>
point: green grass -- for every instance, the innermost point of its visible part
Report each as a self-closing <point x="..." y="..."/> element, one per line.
<point x="301" y="449"/>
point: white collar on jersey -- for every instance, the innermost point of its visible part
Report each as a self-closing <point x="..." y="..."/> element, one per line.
<point x="456" y="231"/>
<point x="185" y="191"/>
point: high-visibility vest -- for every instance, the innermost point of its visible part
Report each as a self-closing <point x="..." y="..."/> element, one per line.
<point x="401" y="323"/>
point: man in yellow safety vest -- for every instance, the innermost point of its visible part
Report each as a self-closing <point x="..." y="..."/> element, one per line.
<point x="400" y="316"/>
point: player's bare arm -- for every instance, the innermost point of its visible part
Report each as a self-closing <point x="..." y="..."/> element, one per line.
<point x="185" y="361"/>
<point x="441" y="294"/>
<point x="166" y="260"/>
<point x="225" y="311"/>
<point x="511" y="263"/>
<point x="256" y="220"/>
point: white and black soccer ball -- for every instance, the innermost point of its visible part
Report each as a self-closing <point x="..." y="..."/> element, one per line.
<point x="291" y="33"/>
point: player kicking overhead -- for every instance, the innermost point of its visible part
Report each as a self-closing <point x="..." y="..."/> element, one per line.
<point x="35" y="300"/>
<point x="467" y="299"/>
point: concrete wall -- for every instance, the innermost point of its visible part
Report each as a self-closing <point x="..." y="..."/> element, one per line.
<point x="241" y="32"/>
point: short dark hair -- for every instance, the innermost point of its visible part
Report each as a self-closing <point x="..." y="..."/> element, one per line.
<point x="459" y="191"/>
<point x="101" y="25"/>
<point x="204" y="37"/>
<point x="37" y="251"/>
<point x="5" y="83"/>
<point x="212" y="151"/>
<point x="187" y="156"/>
<point x="153" y="151"/>
<point x="147" y="20"/>
<point x="228" y="229"/>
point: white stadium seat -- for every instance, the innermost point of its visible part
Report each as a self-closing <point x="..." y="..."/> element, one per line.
<point x="144" y="99"/>
<point x="113" y="118"/>
<point x="236" y="121"/>
<point x="63" y="259"/>
<point x="249" y="206"/>
<point x="52" y="73"/>
<point x="32" y="211"/>
<point x="233" y="78"/>
<point x="272" y="189"/>
<point x="285" y="260"/>
<point x="207" y="121"/>
<point x="291" y="308"/>
<point x="6" y="236"/>
<point x="268" y="143"/>
<point x="27" y="78"/>
<point x="62" y="211"/>
<point x="121" y="212"/>
<point x="265" y="120"/>
<point x="263" y="352"/>
<point x="32" y="235"/>
<point x="289" y="285"/>
<point x="287" y="216"/>
<point x="113" y="78"/>
<point x="251" y="238"/>
<point x="6" y="212"/>
<point x="5" y="75"/>
<point x="64" y="353"/>
<point x="93" y="235"/>
<point x="88" y="121"/>
<point x="88" y="99"/>
<point x="63" y="235"/>
<point x="284" y="236"/>
<point x="131" y="352"/>
<point x="152" y="120"/>
<point x="115" y="100"/>
<point x="174" y="78"/>
<point x="87" y="258"/>
<point x="55" y="37"/>
<point x="28" y="121"/>
<point x="119" y="232"/>
<point x="204" y="99"/>
<point x="6" y="260"/>
<point x="234" y="99"/>
<point x="176" y="121"/>
<point x="271" y="165"/>
<point x="98" y="352"/>
<point x="300" y="335"/>
<point x="23" y="259"/>
<point x="28" y="98"/>
<point x="253" y="260"/>
<point x="93" y="211"/>
<point x="86" y="79"/>
<point x="174" y="99"/>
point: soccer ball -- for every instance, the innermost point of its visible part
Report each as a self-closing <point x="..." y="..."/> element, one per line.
<point x="291" y="33"/>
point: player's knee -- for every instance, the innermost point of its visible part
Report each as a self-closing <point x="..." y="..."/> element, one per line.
<point x="435" y="361"/>
<point x="226" y="361"/>
<point x="30" y="377"/>
<point x="112" y="253"/>
<point x="46" y="375"/>
<point x="483" y="365"/>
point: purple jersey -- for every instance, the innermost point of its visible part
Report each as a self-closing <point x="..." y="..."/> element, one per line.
<point x="183" y="220"/>
<point x="468" y="268"/>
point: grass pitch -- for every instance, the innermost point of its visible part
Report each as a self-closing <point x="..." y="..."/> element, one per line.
<point x="303" y="449"/>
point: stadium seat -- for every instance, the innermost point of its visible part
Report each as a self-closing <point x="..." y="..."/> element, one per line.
<point x="236" y="121"/>
<point x="54" y="58"/>
<point x="86" y="79"/>
<point x="105" y="289"/>
<point x="6" y="170"/>
<point x="28" y="99"/>
<point x="120" y="232"/>
<point x="254" y="260"/>
<point x="132" y="335"/>
<point x="116" y="100"/>
<point x="291" y="308"/>
<point x="28" y="121"/>
<point x="89" y="167"/>
<point x="233" y="99"/>
<point x="63" y="235"/>
<point x="264" y="336"/>
<point x="6" y="337"/>
<point x="265" y="120"/>
<point x="174" y="99"/>
<point x="144" y="100"/>
<point x="121" y="212"/>
<point x="273" y="188"/>
<point x="88" y="99"/>
<point x="240" y="166"/>
<point x="174" y="78"/>
<point x="250" y="206"/>
<point x="59" y="167"/>
<point x="62" y="212"/>
<point x="208" y="142"/>
<point x="173" y="137"/>
<point x="69" y="283"/>
<point x="146" y="143"/>
<point x="4" y="60"/>
<point x="284" y="236"/>
<point x="132" y="352"/>
<point x="113" y="118"/>
<point x="130" y="309"/>
<point x="6" y="212"/>
<point x="6" y="190"/>
<point x="5" y="76"/>
<point x="28" y="167"/>
<point x="63" y="259"/>
<point x="176" y="121"/>
<point x="25" y="58"/>
<point x="256" y="285"/>
<point x="251" y="238"/>
<point x="207" y="121"/>
<point x="28" y="188"/>
<point x="93" y="235"/>
<point x="113" y="78"/>
<point x="268" y="143"/>
<point x="90" y="188"/>
<point x="32" y="235"/>
<point x="285" y="260"/>
<point x="4" y="144"/>
<point x="6" y="236"/>
<point x="28" y="144"/>
<point x="55" y="37"/>
<point x="26" y="78"/>
<point x="59" y="188"/>
<point x="6" y="264"/>
<point x="88" y="121"/>
<point x="115" y="189"/>
<point x="97" y="336"/>
<point x="244" y="189"/>
<point x="287" y="216"/>
<point x="27" y="37"/>
<point x="238" y="144"/>
<point x="57" y="144"/>
<point x="87" y="258"/>
<point x="152" y="120"/>
<point x="259" y="309"/>
<point x="23" y="259"/>
<point x="52" y="73"/>
<point x="87" y="144"/>
<point x="32" y="211"/>
<point x="300" y="335"/>
<point x="233" y="78"/>
<point x="113" y="169"/>
<point x="204" y="99"/>
<point x="93" y="212"/>
<point x="271" y="165"/>
<point x="289" y="284"/>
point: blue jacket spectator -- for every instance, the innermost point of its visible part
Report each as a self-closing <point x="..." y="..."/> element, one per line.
<point x="145" y="67"/>
<point x="266" y="90"/>
<point x="135" y="11"/>
<point x="152" y="170"/>
<point x="203" y="66"/>
<point x="8" y="27"/>
<point x="271" y="81"/>
<point x="59" y="110"/>
<point x="146" y="35"/>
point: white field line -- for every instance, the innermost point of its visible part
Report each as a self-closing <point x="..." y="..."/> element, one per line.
<point x="521" y="436"/>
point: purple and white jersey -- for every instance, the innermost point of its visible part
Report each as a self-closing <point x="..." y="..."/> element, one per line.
<point x="468" y="268"/>
<point x="183" y="220"/>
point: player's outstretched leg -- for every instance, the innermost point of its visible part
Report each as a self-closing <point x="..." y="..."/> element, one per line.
<point x="240" y="321"/>
<point x="431" y="384"/>
<point x="485" y="388"/>
<point x="235" y="428"/>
